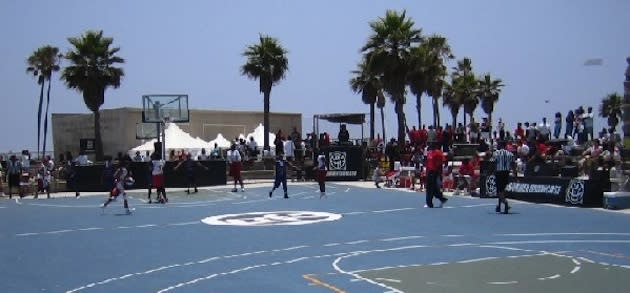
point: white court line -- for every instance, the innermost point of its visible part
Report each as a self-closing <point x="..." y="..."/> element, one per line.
<point x="401" y="238"/>
<point x="354" y="213"/>
<point x="478" y="259"/>
<point x="90" y="229"/>
<point x="550" y="277"/>
<point x="185" y="223"/>
<point x="388" y="280"/>
<point x="479" y="205"/>
<point x="393" y="210"/>
<point x="58" y="232"/>
<point x="357" y="242"/>
<point x="558" y="241"/>
<point x="561" y="234"/>
<point x="575" y="270"/>
<point x="503" y="283"/>
<point x="26" y="234"/>
<point x="332" y="244"/>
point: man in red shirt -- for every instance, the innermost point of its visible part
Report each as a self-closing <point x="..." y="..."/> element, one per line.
<point x="435" y="160"/>
<point x="466" y="172"/>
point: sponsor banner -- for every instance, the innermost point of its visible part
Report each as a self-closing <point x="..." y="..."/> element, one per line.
<point x="559" y="190"/>
<point x="344" y="162"/>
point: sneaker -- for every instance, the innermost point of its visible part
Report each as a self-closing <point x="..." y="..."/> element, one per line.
<point x="196" y="190"/>
<point x="150" y="201"/>
<point x="242" y="189"/>
<point x="442" y="202"/>
<point x="270" y="193"/>
<point x="187" y="191"/>
<point x="428" y="207"/>
<point x="234" y="190"/>
<point x="286" y="195"/>
<point x="507" y="208"/>
<point x="129" y="210"/>
<point x="322" y="194"/>
<point x="497" y="209"/>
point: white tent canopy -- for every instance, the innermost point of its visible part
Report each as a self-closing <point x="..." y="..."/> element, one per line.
<point x="221" y="141"/>
<point x="176" y="139"/>
<point x="259" y="136"/>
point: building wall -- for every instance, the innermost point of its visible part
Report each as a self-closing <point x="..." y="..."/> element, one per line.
<point x="118" y="127"/>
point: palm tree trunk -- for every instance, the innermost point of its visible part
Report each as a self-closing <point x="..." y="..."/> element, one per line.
<point x="419" y="108"/>
<point x="490" y="123"/>
<point x="436" y="112"/>
<point x="266" y="119"/>
<point x="401" y="125"/>
<point x="372" y="122"/>
<point x="383" y="124"/>
<point x="454" y="115"/>
<point x="98" y="142"/>
<point x="465" y="122"/>
<point x="46" y="118"/>
<point x="39" y="116"/>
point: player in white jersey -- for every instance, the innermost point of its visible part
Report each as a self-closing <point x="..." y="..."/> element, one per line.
<point x="122" y="178"/>
<point x="157" y="178"/>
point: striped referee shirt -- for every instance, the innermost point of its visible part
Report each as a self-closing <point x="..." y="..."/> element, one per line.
<point x="503" y="158"/>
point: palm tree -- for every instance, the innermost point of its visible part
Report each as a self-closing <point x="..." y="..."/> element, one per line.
<point x="488" y="92"/>
<point x="366" y="82"/>
<point x="610" y="108"/>
<point x="465" y="85"/>
<point x="388" y="50"/>
<point x="452" y="100"/>
<point x="42" y="63"/>
<point x="267" y="62"/>
<point x="380" y="104"/>
<point x="441" y="51"/>
<point x="91" y="72"/>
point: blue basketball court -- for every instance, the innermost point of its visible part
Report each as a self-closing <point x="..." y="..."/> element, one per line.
<point x="357" y="239"/>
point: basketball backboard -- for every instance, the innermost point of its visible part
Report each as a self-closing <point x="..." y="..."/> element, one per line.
<point x="165" y="108"/>
<point x="146" y="130"/>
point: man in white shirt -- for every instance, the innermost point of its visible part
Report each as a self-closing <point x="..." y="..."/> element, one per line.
<point x="587" y="119"/>
<point x="252" y="147"/>
<point x="289" y="149"/>
<point x="544" y="129"/>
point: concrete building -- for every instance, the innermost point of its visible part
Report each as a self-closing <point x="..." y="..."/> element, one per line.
<point x="118" y="127"/>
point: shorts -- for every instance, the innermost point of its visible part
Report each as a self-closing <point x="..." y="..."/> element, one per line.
<point x="14" y="180"/>
<point x="321" y="176"/>
<point x="502" y="180"/>
<point x="157" y="181"/>
<point x="235" y="170"/>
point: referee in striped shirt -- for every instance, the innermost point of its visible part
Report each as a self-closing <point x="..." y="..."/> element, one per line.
<point x="504" y="161"/>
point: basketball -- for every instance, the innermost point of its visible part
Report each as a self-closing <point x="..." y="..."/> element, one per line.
<point x="129" y="181"/>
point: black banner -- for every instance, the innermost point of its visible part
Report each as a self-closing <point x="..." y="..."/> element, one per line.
<point x="557" y="190"/>
<point x="89" y="177"/>
<point x="344" y="163"/>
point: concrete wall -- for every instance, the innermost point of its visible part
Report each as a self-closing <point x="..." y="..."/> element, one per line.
<point x="118" y="127"/>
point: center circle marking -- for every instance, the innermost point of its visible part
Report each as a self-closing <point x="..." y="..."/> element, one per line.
<point x="274" y="218"/>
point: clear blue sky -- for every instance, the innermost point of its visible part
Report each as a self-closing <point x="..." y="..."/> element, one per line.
<point x="537" y="47"/>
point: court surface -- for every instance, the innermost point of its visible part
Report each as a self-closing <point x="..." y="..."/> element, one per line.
<point x="358" y="239"/>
